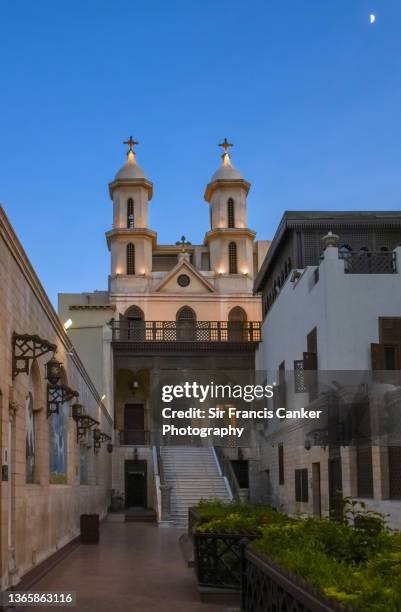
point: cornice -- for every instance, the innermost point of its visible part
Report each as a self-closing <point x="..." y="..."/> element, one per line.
<point x="133" y="232"/>
<point x="233" y="232"/>
<point x="225" y="184"/>
<point x="148" y="185"/>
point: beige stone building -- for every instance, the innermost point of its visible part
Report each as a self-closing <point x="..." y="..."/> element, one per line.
<point x="173" y="307"/>
<point x="50" y="475"/>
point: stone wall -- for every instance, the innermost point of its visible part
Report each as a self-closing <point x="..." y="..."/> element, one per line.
<point x="52" y="479"/>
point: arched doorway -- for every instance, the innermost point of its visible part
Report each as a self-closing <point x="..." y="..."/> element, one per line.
<point x="237" y="324"/>
<point x="135" y="323"/>
<point x="186" y="324"/>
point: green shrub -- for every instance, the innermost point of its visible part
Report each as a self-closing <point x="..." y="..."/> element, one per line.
<point x="345" y="563"/>
<point x="235" y="517"/>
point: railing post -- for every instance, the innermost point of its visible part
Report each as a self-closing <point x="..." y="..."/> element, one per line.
<point x="165" y="490"/>
<point x="243" y="544"/>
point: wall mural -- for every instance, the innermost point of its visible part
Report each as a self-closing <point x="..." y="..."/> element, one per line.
<point x="59" y="445"/>
<point x="30" y="438"/>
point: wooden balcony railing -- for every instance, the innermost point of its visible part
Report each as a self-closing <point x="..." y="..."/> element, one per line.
<point x="185" y="331"/>
<point x="369" y="262"/>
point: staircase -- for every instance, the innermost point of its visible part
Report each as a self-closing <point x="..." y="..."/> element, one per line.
<point x="192" y="474"/>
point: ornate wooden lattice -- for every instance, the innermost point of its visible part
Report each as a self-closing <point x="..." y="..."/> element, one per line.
<point x="173" y="331"/>
<point x="27" y="347"/>
<point x="380" y="262"/>
<point x="300" y="385"/>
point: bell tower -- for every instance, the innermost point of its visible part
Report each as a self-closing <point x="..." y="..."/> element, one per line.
<point x="230" y="240"/>
<point x="130" y="241"/>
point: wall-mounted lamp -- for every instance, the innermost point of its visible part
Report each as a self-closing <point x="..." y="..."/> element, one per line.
<point x="135" y="385"/>
<point x="53" y="371"/>
<point x="67" y="324"/>
<point x="109" y="447"/>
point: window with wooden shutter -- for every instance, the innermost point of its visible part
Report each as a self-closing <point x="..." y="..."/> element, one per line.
<point x="130" y="258"/>
<point x="390" y="330"/>
<point x="394" y="471"/>
<point x="301" y="485"/>
<point x="130" y="213"/>
<point x="280" y="464"/>
<point x="280" y="390"/>
<point x="377" y="356"/>
<point x="230" y="213"/>
<point x="364" y="471"/>
<point x="232" y="258"/>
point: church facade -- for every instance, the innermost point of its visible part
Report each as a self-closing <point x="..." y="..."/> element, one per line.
<point x="168" y="307"/>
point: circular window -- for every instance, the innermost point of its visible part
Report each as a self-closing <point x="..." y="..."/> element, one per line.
<point x="183" y="280"/>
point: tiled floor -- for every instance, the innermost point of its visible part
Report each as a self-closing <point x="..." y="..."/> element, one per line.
<point x="136" y="566"/>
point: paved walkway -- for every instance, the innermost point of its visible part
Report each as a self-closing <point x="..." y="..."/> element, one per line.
<point x="136" y="567"/>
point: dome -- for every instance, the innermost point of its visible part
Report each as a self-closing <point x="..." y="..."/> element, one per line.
<point x="130" y="170"/>
<point x="226" y="172"/>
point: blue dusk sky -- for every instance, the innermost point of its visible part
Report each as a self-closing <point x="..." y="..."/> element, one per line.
<point x="307" y="90"/>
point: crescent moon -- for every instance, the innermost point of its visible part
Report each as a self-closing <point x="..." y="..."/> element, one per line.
<point x="372" y="18"/>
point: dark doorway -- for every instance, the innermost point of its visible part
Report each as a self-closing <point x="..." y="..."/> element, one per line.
<point x="335" y="488"/>
<point x="240" y="468"/>
<point x="134" y="424"/>
<point x="135" y="484"/>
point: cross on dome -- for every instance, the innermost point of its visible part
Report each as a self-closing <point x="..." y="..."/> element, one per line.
<point x="226" y="156"/>
<point x="131" y="143"/>
<point x="225" y="145"/>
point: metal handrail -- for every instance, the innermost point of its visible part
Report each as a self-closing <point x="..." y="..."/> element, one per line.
<point x="228" y="471"/>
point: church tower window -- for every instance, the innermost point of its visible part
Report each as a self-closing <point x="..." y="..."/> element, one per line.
<point x="130" y="258"/>
<point x="230" y="213"/>
<point x="232" y="258"/>
<point x="130" y="213"/>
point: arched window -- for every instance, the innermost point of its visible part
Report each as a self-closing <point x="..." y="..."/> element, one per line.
<point x="232" y="258"/>
<point x="130" y="212"/>
<point x="186" y="314"/>
<point x="237" y="328"/>
<point x="237" y="314"/>
<point x="32" y="407"/>
<point x="134" y="313"/>
<point x="186" y="324"/>
<point x="130" y="258"/>
<point x="230" y="213"/>
<point x="134" y="324"/>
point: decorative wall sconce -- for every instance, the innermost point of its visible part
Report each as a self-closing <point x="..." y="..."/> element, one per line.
<point x="98" y="438"/>
<point x="109" y="447"/>
<point x="135" y="385"/>
<point x="84" y="421"/>
<point x="57" y="394"/>
<point x="53" y="371"/>
<point x="27" y="347"/>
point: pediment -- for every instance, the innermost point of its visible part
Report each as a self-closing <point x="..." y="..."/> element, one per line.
<point x="197" y="283"/>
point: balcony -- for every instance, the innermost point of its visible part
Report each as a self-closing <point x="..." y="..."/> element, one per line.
<point x="369" y="262"/>
<point x="184" y="335"/>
